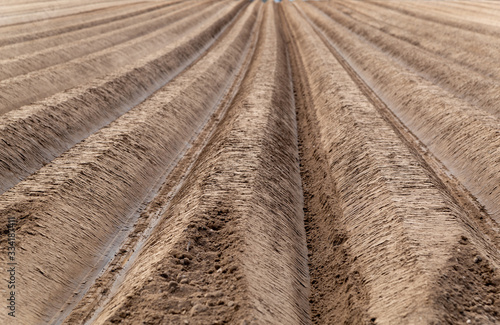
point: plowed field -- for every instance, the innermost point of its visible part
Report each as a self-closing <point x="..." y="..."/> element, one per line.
<point x="249" y="162"/>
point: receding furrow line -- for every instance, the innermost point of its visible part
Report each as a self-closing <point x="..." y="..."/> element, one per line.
<point x="338" y="297"/>
<point x="470" y="26"/>
<point x="47" y="6"/>
<point x="488" y="5"/>
<point x="479" y="219"/>
<point x="88" y="40"/>
<point x="99" y="291"/>
<point x="229" y="249"/>
<point x="491" y="7"/>
<point x="71" y="49"/>
<point x="435" y="168"/>
<point x="448" y="10"/>
<point x="462" y="137"/>
<point x="401" y="226"/>
<point x="18" y="2"/>
<point x="476" y="8"/>
<point x="42" y="83"/>
<point x="43" y="15"/>
<point x="478" y="90"/>
<point x="477" y="52"/>
<point x="56" y="26"/>
<point x="34" y="135"/>
<point x="81" y="199"/>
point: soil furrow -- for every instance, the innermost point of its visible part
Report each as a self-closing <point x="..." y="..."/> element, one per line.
<point x="336" y="297"/>
<point x="249" y="162"/>
<point x="229" y="250"/>
<point x="103" y="35"/>
<point x="412" y="11"/>
<point x="390" y="244"/>
<point x="84" y="21"/>
<point x="110" y="173"/>
<point x="478" y="90"/>
<point x="43" y="15"/>
<point x="470" y="151"/>
<point x="488" y="7"/>
<point x="434" y="167"/>
<point x="457" y="14"/>
<point x="477" y="8"/>
<point x="478" y="52"/>
<point x="43" y="83"/>
<point x="142" y="26"/>
<point x="34" y="135"/>
<point x="48" y="6"/>
<point x="99" y="293"/>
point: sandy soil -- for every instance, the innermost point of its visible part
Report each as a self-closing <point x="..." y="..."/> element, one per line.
<point x="241" y="162"/>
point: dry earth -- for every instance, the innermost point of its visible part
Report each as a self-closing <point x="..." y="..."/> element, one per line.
<point x="249" y="162"/>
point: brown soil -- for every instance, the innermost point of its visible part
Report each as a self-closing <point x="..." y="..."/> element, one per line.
<point x="238" y="162"/>
<point x="73" y="115"/>
<point x="477" y="89"/>
<point x="71" y="47"/>
<point x="430" y="113"/>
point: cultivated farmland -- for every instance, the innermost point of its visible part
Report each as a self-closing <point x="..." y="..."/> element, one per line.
<point x="249" y="162"/>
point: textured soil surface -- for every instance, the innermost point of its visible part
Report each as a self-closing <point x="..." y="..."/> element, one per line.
<point x="249" y="162"/>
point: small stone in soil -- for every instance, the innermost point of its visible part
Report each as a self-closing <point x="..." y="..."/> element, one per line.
<point x="197" y="309"/>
